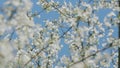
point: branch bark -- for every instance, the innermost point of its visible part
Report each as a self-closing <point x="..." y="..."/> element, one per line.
<point x="83" y="59"/>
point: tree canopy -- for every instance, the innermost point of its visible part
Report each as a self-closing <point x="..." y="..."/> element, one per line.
<point x="84" y="29"/>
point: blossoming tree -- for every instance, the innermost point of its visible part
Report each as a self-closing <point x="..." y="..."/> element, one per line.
<point x="90" y="40"/>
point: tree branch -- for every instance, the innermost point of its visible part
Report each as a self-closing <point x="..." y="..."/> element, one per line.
<point x="83" y="59"/>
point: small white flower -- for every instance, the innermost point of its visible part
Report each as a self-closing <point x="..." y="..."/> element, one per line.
<point x="111" y="14"/>
<point x="110" y="32"/>
<point x="38" y="3"/>
<point x="107" y="24"/>
<point x="65" y="59"/>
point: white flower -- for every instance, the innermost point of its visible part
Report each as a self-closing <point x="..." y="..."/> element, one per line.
<point x="65" y="59"/>
<point x="79" y="65"/>
<point x="111" y="14"/>
<point x="110" y="32"/>
<point x="107" y="24"/>
<point x="109" y="40"/>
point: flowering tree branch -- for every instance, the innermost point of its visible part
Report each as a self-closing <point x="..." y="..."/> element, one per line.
<point x="83" y="59"/>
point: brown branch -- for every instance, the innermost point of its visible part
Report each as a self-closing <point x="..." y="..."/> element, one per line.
<point x="35" y="55"/>
<point x="45" y="48"/>
<point x="83" y="59"/>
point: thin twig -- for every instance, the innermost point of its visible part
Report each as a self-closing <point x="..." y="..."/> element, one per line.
<point x="83" y="59"/>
